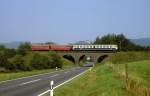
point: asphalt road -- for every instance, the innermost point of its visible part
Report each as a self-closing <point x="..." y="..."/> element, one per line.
<point x="33" y="86"/>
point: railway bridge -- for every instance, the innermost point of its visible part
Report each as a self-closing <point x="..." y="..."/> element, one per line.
<point x="76" y="53"/>
<point x="77" y="56"/>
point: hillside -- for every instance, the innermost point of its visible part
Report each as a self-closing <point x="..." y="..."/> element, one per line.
<point x="11" y="44"/>
<point x="141" y="41"/>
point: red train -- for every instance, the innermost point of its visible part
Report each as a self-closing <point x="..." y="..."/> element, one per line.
<point x="50" y="47"/>
<point x="89" y="47"/>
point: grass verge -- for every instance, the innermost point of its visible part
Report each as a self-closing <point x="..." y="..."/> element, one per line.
<point x="139" y="77"/>
<point x="100" y="81"/>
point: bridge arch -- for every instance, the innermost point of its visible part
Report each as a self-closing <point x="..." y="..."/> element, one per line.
<point x="101" y="58"/>
<point x="69" y="57"/>
<point x="81" y="58"/>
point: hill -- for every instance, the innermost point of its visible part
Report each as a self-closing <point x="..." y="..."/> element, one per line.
<point x="141" y="41"/>
<point x="11" y="44"/>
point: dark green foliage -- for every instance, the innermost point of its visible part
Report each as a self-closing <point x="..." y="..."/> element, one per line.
<point x="4" y="63"/>
<point x="10" y="52"/>
<point x="123" y="43"/>
<point x="18" y="64"/>
<point x="2" y="47"/>
<point x="23" y="48"/>
<point x="3" y="60"/>
<point x="40" y="62"/>
<point x="57" y="62"/>
<point x="44" y="62"/>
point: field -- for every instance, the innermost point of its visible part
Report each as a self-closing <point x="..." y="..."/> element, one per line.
<point x="139" y="77"/>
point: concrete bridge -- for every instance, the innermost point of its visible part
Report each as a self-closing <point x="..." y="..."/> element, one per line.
<point x="77" y="56"/>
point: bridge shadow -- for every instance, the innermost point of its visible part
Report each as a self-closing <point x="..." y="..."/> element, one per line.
<point x="101" y="58"/>
<point x="70" y="58"/>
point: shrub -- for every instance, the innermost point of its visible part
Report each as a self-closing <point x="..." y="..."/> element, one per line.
<point x="23" y="48"/>
<point x="57" y="61"/>
<point x="3" y="61"/>
<point x="10" y="52"/>
<point x="40" y="62"/>
<point x="19" y="64"/>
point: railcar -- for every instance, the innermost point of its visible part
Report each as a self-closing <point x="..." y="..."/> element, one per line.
<point x="102" y="47"/>
<point x="40" y="47"/>
<point x="60" y="48"/>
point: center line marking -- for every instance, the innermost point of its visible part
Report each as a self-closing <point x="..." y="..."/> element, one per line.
<point x="55" y="75"/>
<point x="30" y="82"/>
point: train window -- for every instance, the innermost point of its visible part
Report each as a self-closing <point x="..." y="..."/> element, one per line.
<point x="83" y="46"/>
<point x="103" y="46"/>
<point x="86" y="46"/>
<point x="95" y="46"/>
<point x="78" y="46"/>
<point x="91" y="46"/>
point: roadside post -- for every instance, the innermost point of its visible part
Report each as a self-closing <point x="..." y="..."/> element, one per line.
<point x="51" y="88"/>
<point x="126" y="72"/>
<point x="56" y="68"/>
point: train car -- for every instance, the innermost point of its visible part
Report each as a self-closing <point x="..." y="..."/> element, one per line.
<point x="102" y="47"/>
<point x="40" y="47"/>
<point x="60" y="48"/>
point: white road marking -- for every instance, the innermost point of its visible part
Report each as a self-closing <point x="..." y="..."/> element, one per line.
<point x="54" y="75"/>
<point x="29" y="76"/>
<point x="29" y="82"/>
<point x="63" y="83"/>
<point x="66" y="71"/>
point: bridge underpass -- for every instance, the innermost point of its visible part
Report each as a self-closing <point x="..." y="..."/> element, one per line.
<point x="77" y="56"/>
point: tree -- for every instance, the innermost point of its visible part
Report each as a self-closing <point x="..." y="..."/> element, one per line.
<point x="123" y="43"/>
<point x="18" y="63"/>
<point x="4" y="63"/>
<point x="10" y="52"/>
<point x="2" y="47"/>
<point x="23" y="48"/>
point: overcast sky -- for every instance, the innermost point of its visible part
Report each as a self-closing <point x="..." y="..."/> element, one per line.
<point x="66" y="21"/>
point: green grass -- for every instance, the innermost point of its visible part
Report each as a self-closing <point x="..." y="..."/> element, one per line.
<point x="138" y="71"/>
<point x="123" y="57"/>
<point x="100" y="81"/>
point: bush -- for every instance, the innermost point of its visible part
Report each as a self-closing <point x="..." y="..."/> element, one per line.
<point x="40" y="62"/>
<point x="57" y="61"/>
<point x="23" y="48"/>
<point x="3" y="61"/>
<point x="10" y="52"/>
<point x="19" y="64"/>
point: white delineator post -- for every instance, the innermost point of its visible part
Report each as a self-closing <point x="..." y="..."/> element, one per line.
<point x="56" y="68"/>
<point x="51" y="88"/>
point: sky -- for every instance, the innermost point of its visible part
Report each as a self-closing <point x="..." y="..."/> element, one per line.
<point x="68" y="21"/>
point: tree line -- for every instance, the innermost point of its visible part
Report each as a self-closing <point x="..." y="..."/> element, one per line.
<point x="124" y="44"/>
<point x="12" y="60"/>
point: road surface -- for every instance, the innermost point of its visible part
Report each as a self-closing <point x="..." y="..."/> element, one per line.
<point x="33" y="86"/>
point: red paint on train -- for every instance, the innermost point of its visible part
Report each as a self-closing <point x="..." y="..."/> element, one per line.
<point x="51" y="47"/>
